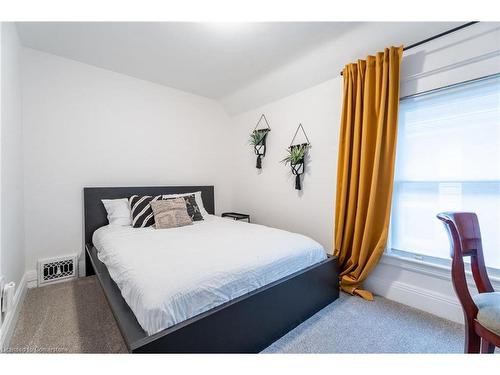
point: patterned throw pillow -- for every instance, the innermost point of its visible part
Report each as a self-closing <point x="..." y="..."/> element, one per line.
<point x="140" y="210"/>
<point x="192" y="208"/>
<point x="170" y="213"/>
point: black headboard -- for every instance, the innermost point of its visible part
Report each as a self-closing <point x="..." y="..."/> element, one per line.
<point x="95" y="214"/>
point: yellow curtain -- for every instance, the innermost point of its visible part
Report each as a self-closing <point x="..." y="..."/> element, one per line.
<point x="365" y="172"/>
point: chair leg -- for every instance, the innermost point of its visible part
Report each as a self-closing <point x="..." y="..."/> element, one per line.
<point x="486" y="347"/>
<point x="472" y="340"/>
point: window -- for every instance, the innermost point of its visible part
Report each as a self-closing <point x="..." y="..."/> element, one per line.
<point x="448" y="159"/>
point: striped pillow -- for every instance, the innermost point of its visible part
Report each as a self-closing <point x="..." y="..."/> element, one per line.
<point x="140" y="210"/>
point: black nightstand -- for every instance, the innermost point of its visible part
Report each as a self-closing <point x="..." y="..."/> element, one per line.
<point x="236" y="216"/>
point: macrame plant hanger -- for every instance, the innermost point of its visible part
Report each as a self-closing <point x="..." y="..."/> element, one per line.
<point x="260" y="149"/>
<point x="299" y="168"/>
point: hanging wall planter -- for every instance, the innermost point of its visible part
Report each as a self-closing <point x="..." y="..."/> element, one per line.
<point x="296" y="154"/>
<point x="258" y="141"/>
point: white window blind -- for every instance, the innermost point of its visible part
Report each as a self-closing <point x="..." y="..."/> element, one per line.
<point x="448" y="159"/>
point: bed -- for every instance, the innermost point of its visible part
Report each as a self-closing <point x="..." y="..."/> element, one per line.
<point x="215" y="286"/>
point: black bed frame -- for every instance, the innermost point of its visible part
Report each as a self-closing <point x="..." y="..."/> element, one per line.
<point x="247" y="324"/>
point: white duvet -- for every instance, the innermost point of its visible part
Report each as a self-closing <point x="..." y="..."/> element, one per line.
<point x="169" y="275"/>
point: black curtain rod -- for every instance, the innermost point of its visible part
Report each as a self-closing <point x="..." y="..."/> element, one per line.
<point x="438" y="35"/>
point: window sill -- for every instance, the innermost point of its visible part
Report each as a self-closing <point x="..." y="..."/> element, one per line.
<point x="432" y="269"/>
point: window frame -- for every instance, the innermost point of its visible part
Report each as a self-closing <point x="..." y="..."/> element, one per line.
<point x="414" y="256"/>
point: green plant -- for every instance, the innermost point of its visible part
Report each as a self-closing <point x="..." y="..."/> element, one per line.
<point x="296" y="154"/>
<point x="257" y="137"/>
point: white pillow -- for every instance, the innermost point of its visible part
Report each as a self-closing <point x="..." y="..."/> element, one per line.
<point x="118" y="211"/>
<point x="197" y="198"/>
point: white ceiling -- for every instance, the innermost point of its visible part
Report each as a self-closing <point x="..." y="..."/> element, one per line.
<point x="242" y="65"/>
<point x="209" y="59"/>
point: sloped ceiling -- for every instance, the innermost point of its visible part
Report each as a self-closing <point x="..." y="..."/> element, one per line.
<point x="241" y="65"/>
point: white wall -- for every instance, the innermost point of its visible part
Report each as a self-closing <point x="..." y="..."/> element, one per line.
<point x="86" y="126"/>
<point x="270" y="196"/>
<point x="12" y="258"/>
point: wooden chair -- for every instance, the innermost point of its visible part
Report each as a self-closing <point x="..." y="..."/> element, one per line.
<point x="482" y="311"/>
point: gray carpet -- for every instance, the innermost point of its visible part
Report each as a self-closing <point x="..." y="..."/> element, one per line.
<point x="353" y="325"/>
<point x="73" y="317"/>
<point x="69" y="317"/>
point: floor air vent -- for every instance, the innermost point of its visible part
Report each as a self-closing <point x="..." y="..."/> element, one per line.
<point x="56" y="269"/>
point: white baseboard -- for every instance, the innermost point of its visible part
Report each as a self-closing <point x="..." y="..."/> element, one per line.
<point x="422" y="285"/>
<point x="426" y="300"/>
<point x="81" y="267"/>
<point x="32" y="279"/>
<point x="10" y="320"/>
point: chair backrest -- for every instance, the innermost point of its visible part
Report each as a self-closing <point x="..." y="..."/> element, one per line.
<point x="465" y="238"/>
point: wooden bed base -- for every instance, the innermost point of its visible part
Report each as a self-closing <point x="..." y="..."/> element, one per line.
<point x="247" y="324"/>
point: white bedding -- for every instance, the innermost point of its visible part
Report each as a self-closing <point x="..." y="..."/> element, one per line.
<point x="169" y="275"/>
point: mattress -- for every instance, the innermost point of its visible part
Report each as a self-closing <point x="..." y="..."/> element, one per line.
<point x="169" y="275"/>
